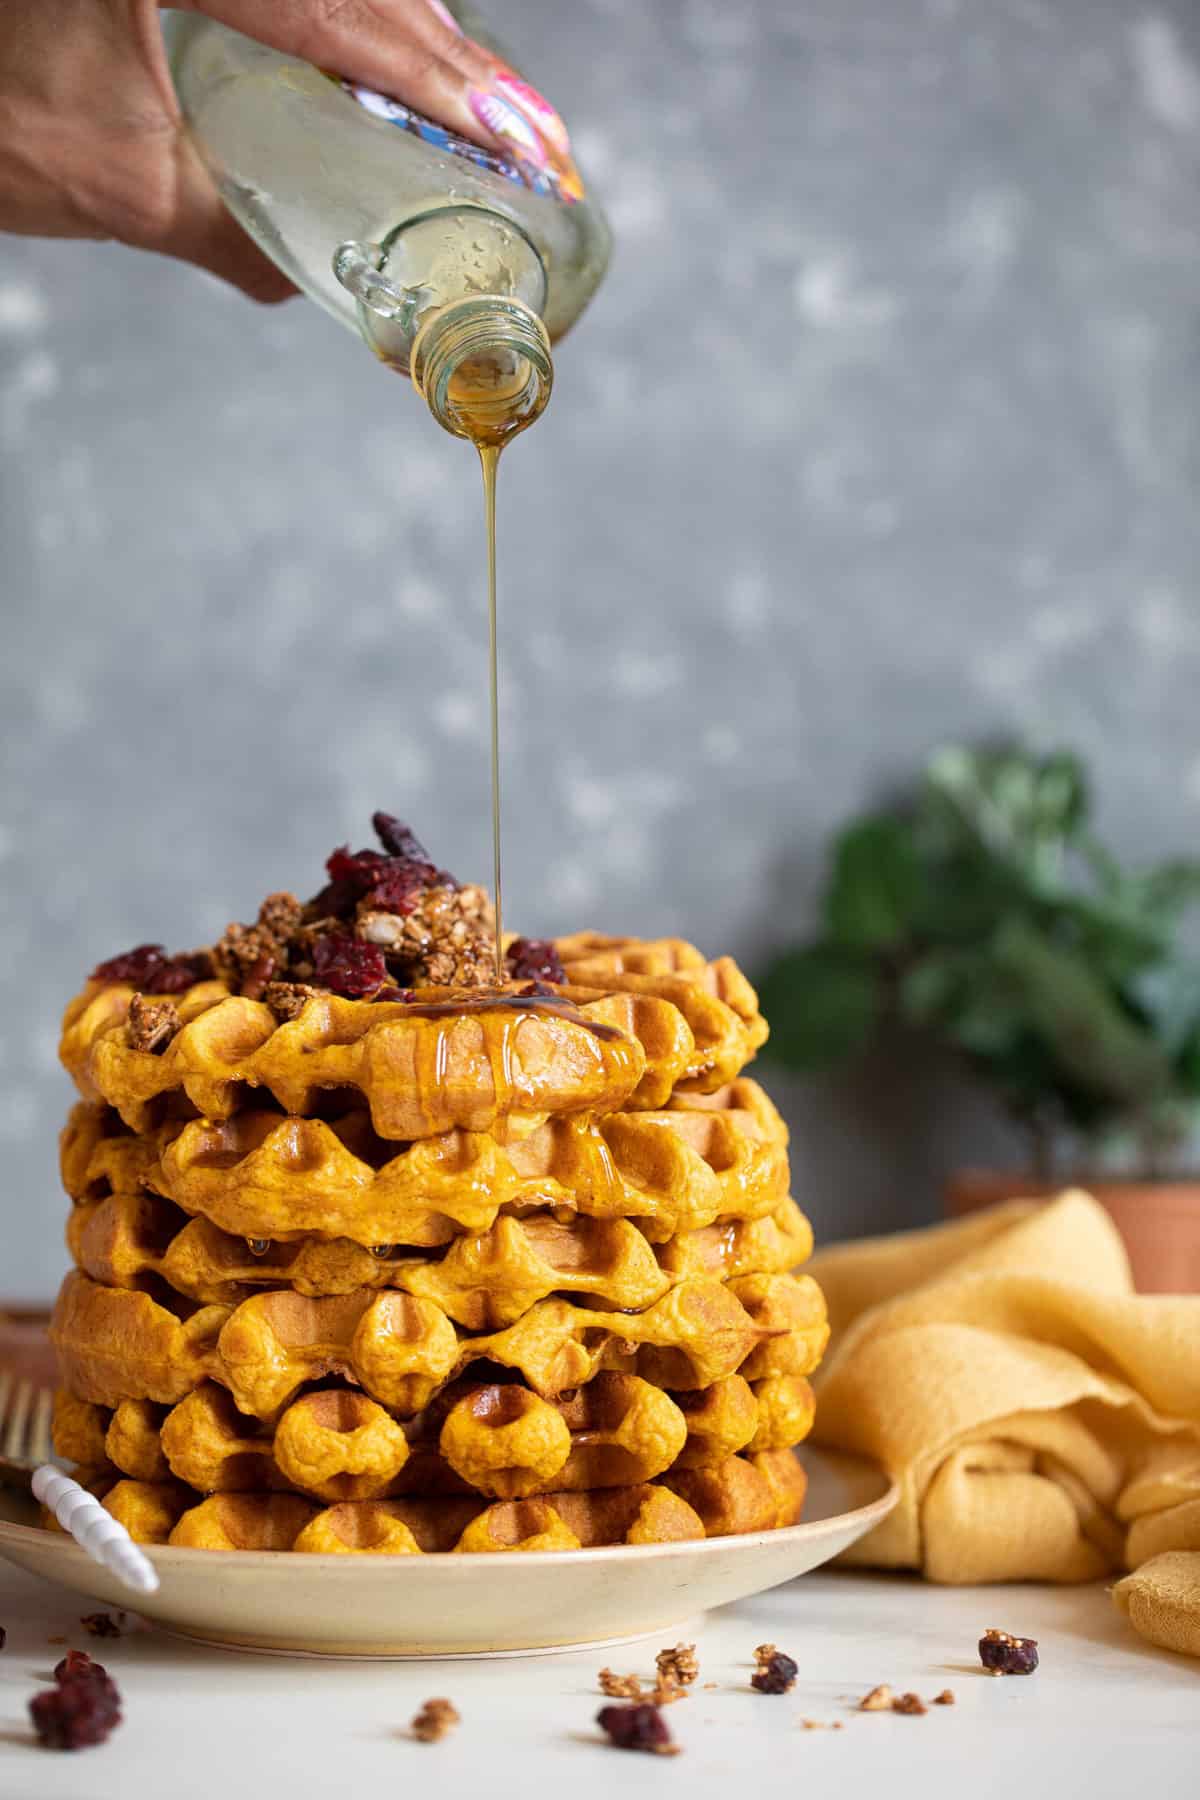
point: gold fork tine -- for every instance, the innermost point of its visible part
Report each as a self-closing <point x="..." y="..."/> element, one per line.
<point x="41" y="1437"/>
<point x="14" y="1437"/>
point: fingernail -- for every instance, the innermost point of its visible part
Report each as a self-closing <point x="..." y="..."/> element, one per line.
<point x="499" y="116"/>
<point x="445" y="15"/>
<point x="535" y="107"/>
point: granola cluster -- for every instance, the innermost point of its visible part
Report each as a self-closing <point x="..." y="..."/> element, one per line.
<point x="386" y="921"/>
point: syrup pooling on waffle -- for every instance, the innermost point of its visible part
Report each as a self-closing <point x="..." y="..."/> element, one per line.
<point x="260" y="1175"/>
<point x="386" y="1254"/>
<point x="483" y="1281"/>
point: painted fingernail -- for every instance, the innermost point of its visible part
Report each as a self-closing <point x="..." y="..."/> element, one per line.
<point x="504" y="121"/>
<point x="535" y="107"/>
<point x="445" y="15"/>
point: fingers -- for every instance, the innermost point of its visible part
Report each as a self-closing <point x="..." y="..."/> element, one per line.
<point x="401" y="47"/>
<point x="414" y="51"/>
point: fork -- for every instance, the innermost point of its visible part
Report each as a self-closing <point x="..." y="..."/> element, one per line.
<point x="25" y="1440"/>
<point x="26" y="1449"/>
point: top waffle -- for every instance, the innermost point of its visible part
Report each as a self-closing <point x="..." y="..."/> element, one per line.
<point x="348" y="997"/>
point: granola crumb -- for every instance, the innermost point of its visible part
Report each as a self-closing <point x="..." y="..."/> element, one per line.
<point x="446" y="940"/>
<point x="435" y="1719"/>
<point x="678" y="1664"/>
<point x="710" y="1687"/>
<point x="878" y="1700"/>
<point x="665" y="1691"/>
<point x="151" y="1024"/>
<point x="287" y="999"/>
<point x="909" y="1703"/>
<point x="56" y="1640"/>
<point x="103" y="1625"/>
<point x="620" y="1687"/>
<point x="945" y="1698"/>
<point x="248" y="955"/>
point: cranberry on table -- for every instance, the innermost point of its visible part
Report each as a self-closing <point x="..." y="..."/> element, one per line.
<point x="638" y="1727"/>
<point x="81" y="1709"/>
<point x="776" y="1674"/>
<point x="1003" y="1654"/>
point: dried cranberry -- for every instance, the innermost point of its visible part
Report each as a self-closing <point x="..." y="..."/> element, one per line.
<point x="1003" y="1654"/>
<point x="534" y="959"/>
<point x="776" y="1674"/>
<point x="637" y="1727"/>
<point x="81" y="1710"/>
<point x="401" y="885"/>
<point x="347" y="966"/>
<point x="180" y="973"/>
<point x="149" y="969"/>
<point x="394" y="994"/>
<point x="135" y="965"/>
<point x="397" y="839"/>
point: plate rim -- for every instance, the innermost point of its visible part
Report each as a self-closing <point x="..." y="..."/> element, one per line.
<point x="167" y="1557"/>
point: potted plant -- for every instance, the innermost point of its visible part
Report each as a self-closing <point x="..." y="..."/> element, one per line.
<point x="983" y="913"/>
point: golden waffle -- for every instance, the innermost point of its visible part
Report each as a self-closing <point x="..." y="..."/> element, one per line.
<point x="157" y="1513"/>
<point x="450" y="1059"/>
<point x="261" y="1176"/>
<point x="483" y="1281"/>
<point x="762" y="1493"/>
<point x="744" y="1493"/>
<point x="790" y="1311"/>
<point x="597" y="963"/>
<point x="116" y="1344"/>
<point x="499" y="1439"/>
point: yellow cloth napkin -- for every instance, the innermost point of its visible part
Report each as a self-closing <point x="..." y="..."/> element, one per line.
<point x="1041" y="1418"/>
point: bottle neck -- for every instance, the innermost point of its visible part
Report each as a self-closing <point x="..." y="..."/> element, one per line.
<point x="483" y="367"/>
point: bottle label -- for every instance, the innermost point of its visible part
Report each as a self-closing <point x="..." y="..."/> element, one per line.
<point x="551" y="182"/>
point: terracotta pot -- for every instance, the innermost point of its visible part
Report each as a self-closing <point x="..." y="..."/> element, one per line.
<point x="1159" y="1220"/>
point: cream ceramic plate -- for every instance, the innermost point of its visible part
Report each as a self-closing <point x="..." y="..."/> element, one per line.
<point x="464" y="1605"/>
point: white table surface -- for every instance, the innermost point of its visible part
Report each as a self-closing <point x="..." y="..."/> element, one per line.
<point x="1106" y="1715"/>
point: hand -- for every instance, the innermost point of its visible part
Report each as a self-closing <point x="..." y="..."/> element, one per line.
<point x="93" y="145"/>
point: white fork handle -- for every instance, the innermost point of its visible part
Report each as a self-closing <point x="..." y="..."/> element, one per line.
<point x="94" y="1530"/>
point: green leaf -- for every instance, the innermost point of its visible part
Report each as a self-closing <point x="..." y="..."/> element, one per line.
<point x="823" y="1004"/>
<point x="1025" y="809"/>
<point x="875" y="886"/>
<point x="960" y="994"/>
<point x="1095" y="1042"/>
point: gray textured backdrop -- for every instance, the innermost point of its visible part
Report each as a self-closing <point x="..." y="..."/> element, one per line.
<point x="883" y="429"/>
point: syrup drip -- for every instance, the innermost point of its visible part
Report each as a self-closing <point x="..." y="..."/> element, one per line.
<point x="258" y="1246"/>
<point x="489" y="462"/>
<point x="558" y="1006"/>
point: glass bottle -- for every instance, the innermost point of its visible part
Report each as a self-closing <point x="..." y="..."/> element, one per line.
<point x="458" y="265"/>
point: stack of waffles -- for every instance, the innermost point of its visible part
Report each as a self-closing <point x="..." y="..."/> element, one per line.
<point x="368" y="1262"/>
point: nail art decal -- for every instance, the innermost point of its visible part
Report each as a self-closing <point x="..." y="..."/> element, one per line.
<point x="526" y="157"/>
<point x="505" y="121"/>
<point x="536" y="108"/>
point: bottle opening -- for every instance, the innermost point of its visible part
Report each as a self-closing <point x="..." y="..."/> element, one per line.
<point x="484" y="368"/>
